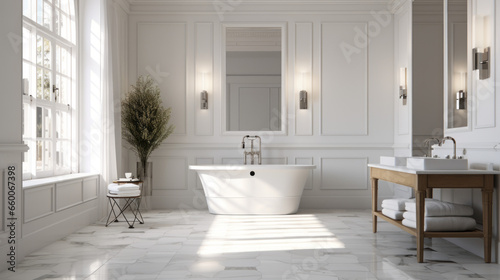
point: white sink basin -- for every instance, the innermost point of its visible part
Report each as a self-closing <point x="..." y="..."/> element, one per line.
<point x="393" y="161"/>
<point x="426" y="163"/>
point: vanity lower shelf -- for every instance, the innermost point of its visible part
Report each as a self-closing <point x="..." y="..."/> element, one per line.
<point x="423" y="182"/>
<point x="447" y="234"/>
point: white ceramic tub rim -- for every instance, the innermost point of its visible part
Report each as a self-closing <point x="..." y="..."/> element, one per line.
<point x="249" y="166"/>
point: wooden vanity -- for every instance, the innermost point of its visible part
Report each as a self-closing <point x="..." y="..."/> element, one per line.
<point x="423" y="182"/>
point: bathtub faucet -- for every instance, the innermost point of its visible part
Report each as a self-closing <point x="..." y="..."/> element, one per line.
<point x="252" y="153"/>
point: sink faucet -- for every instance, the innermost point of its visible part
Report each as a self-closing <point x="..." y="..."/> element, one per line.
<point x="429" y="145"/>
<point x="252" y="153"/>
<point x="454" y="145"/>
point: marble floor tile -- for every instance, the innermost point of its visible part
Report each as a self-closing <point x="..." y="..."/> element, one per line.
<point x="192" y="244"/>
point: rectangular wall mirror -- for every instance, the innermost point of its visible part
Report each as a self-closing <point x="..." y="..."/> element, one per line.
<point x="253" y="60"/>
<point x="457" y="82"/>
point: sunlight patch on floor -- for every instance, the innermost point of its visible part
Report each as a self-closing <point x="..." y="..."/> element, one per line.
<point x="238" y="234"/>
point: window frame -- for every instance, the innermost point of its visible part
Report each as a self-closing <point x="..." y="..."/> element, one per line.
<point x="31" y="103"/>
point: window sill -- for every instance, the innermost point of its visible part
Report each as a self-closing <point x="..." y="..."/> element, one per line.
<point x="56" y="179"/>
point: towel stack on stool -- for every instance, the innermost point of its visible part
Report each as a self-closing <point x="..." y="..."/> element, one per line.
<point x="394" y="207"/>
<point x="440" y="216"/>
<point x="128" y="189"/>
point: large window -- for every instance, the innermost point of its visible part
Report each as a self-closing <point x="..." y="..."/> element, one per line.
<point x="49" y="87"/>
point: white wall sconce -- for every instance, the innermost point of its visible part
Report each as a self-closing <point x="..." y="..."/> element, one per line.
<point x="403" y="84"/>
<point x="203" y="95"/>
<point x="461" y="98"/>
<point x="302" y="94"/>
<point x="303" y="99"/>
<point x="204" y="100"/>
<point x="480" y="53"/>
<point x="481" y="62"/>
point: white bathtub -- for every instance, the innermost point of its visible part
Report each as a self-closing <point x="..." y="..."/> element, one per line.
<point x="253" y="189"/>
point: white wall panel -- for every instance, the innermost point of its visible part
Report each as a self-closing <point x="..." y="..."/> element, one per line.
<point x="161" y="53"/>
<point x="344" y="173"/>
<point x="484" y="99"/>
<point x="68" y="194"/>
<point x="90" y="189"/>
<point x="303" y="77"/>
<point x="344" y="76"/>
<point x="403" y="46"/>
<point x="170" y="173"/>
<point x="204" y="74"/>
<point x="38" y="202"/>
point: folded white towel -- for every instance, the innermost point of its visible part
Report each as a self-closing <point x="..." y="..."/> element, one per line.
<point x="126" y="193"/>
<point x="397" y="204"/>
<point x="443" y="223"/>
<point x="437" y="208"/>
<point x="123" y="187"/>
<point x="393" y="214"/>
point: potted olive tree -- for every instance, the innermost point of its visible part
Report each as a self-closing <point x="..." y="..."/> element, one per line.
<point x="145" y="125"/>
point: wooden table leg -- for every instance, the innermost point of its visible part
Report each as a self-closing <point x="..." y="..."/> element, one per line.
<point x="420" y="205"/>
<point x="374" y="202"/>
<point x="487" y="196"/>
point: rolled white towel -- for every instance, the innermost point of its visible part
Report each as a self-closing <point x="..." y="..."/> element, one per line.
<point x="437" y="208"/>
<point x="123" y="187"/>
<point x="443" y="223"/>
<point x="397" y="204"/>
<point x="393" y="214"/>
<point x="126" y="193"/>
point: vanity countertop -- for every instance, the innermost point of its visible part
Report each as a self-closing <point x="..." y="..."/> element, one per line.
<point x="415" y="171"/>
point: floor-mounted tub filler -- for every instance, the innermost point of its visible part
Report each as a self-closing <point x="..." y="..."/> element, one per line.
<point x="253" y="189"/>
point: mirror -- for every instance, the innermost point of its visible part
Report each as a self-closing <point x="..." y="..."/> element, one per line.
<point x="456" y="88"/>
<point x="253" y="84"/>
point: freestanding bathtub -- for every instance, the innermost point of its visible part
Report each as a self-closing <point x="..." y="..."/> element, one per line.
<point x="253" y="189"/>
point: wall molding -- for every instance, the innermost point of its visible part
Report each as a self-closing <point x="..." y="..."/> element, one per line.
<point x="281" y="146"/>
<point x="13" y="147"/>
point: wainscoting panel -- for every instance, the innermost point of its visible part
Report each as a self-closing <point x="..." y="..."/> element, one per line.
<point x="303" y="77"/>
<point x="170" y="173"/>
<point x="204" y="77"/>
<point x="162" y="55"/>
<point x="344" y="174"/>
<point x="90" y="189"/>
<point x="68" y="194"/>
<point x="40" y="201"/>
<point x="344" y="79"/>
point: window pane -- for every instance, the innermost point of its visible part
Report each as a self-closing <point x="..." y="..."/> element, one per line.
<point x="65" y="69"/>
<point x="47" y="54"/>
<point x="43" y="122"/>
<point x="28" y="72"/>
<point x="39" y="50"/>
<point x="27" y="8"/>
<point x="43" y="155"/>
<point x="47" y="16"/>
<point x="27" y="120"/>
<point x="27" y="47"/>
<point x="39" y="12"/>
<point x="58" y="58"/>
<point x="26" y="162"/>
<point x="65" y="26"/>
<point x="57" y="22"/>
<point x="64" y="91"/>
<point x="62" y="155"/>
<point x="46" y="84"/>
<point x="39" y="88"/>
<point x="65" y="6"/>
<point x="62" y="125"/>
